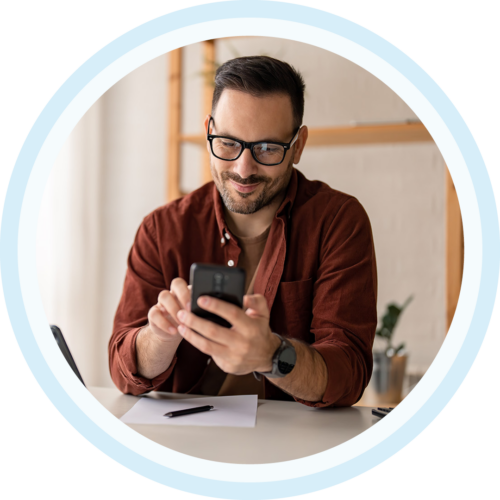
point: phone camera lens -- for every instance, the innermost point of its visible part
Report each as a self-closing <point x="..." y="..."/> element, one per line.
<point x="218" y="279"/>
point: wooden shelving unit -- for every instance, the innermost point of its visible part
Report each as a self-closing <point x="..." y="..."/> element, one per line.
<point x="327" y="136"/>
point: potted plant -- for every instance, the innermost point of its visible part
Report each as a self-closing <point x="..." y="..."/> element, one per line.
<point x="389" y="365"/>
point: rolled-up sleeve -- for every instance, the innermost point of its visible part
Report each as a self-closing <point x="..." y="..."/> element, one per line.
<point x="144" y="280"/>
<point x="345" y="306"/>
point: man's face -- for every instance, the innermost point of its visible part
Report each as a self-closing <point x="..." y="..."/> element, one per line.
<point x="245" y="185"/>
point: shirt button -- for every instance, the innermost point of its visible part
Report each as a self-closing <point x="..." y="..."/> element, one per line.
<point x="222" y="240"/>
<point x="230" y="263"/>
<point x="227" y="236"/>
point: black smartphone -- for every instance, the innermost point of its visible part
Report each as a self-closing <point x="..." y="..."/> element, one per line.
<point x="225" y="283"/>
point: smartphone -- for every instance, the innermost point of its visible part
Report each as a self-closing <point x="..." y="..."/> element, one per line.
<point x="225" y="283"/>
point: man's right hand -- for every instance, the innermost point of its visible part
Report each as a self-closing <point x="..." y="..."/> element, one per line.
<point x="162" y="317"/>
<point x="157" y="342"/>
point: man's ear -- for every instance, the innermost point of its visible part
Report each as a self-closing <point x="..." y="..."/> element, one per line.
<point x="205" y="125"/>
<point x="300" y="144"/>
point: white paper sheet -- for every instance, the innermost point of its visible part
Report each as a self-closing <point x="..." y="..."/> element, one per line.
<point x="229" y="411"/>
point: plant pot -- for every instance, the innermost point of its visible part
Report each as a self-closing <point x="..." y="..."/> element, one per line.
<point x="386" y="384"/>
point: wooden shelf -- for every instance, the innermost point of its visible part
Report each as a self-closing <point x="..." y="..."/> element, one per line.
<point x="352" y="135"/>
<point x="368" y="134"/>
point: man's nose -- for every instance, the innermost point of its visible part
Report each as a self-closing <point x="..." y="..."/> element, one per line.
<point x="245" y="165"/>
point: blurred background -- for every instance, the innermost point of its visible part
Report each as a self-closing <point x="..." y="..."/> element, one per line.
<point x="141" y="144"/>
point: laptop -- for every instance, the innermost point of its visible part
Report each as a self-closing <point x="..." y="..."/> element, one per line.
<point x="65" y="350"/>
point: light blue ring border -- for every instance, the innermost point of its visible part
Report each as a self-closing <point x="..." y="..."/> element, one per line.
<point x="287" y="12"/>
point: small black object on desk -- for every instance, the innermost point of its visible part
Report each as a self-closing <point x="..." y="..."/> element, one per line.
<point x="381" y="412"/>
<point x="179" y="413"/>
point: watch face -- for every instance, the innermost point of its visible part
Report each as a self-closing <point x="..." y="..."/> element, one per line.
<point x="286" y="361"/>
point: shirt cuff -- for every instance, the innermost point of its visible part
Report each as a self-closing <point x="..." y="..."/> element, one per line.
<point x="127" y="360"/>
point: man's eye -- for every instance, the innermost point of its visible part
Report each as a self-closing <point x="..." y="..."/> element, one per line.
<point x="267" y="148"/>
<point x="229" y="144"/>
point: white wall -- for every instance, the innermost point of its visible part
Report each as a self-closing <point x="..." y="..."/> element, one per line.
<point x="121" y="141"/>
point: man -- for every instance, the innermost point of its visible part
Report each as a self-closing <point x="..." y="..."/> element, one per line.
<point x="309" y="316"/>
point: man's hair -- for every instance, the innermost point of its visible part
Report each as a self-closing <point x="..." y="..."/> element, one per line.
<point x="260" y="76"/>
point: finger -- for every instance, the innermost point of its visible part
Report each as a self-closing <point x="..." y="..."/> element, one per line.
<point x="230" y="312"/>
<point x="257" y="304"/>
<point x="161" y="320"/>
<point x="170" y="305"/>
<point x="203" y="344"/>
<point x="208" y="329"/>
<point x="252" y="313"/>
<point x="180" y="289"/>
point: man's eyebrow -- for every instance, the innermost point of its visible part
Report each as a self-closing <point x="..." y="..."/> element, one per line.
<point x="230" y="136"/>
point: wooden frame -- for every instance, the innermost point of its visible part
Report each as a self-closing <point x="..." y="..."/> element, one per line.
<point x="327" y="136"/>
<point x="454" y="249"/>
<point x="174" y="125"/>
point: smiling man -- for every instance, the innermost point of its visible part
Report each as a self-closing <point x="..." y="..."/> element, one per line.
<point x="306" y="330"/>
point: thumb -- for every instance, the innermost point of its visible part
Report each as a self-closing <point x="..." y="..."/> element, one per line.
<point x="256" y="305"/>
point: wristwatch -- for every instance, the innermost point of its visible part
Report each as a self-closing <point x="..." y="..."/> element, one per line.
<point x="284" y="360"/>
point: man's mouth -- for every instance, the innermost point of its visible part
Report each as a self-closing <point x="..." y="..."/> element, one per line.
<point x="244" y="188"/>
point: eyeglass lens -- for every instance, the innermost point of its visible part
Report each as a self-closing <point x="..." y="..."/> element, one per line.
<point x="265" y="152"/>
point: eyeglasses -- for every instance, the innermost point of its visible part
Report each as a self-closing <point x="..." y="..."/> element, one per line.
<point x="263" y="152"/>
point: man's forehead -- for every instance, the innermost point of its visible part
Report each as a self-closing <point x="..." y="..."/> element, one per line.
<point x="263" y="117"/>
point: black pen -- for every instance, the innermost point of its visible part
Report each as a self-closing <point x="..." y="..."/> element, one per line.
<point x="178" y="413"/>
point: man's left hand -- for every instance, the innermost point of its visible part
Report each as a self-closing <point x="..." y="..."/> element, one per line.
<point x="247" y="346"/>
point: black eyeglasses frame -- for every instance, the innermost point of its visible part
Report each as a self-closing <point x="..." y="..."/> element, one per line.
<point x="250" y="145"/>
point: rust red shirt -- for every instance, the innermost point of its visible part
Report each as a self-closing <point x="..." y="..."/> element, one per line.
<point x="318" y="274"/>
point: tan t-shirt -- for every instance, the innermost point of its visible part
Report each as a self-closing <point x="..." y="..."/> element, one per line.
<point x="216" y="382"/>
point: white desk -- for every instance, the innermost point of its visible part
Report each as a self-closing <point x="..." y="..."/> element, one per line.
<point x="284" y="430"/>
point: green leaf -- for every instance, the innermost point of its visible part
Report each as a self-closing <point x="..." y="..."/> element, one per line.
<point x="390" y="319"/>
<point x="399" y="348"/>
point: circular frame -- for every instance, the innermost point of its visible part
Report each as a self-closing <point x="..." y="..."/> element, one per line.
<point x="327" y="469"/>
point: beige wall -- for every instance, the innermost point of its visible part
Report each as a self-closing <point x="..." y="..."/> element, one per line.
<point x="118" y="152"/>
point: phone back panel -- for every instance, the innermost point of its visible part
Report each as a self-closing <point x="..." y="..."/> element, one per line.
<point x="225" y="283"/>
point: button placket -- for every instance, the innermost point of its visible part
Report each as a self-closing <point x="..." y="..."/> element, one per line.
<point x="231" y="250"/>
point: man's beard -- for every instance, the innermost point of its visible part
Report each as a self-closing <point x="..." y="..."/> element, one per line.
<point x="272" y="189"/>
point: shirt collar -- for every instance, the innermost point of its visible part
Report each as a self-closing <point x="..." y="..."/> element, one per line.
<point x="285" y="207"/>
<point x="291" y="193"/>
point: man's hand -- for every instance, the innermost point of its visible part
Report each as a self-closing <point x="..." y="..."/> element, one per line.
<point x="157" y="342"/>
<point x="162" y="317"/>
<point x="249" y="345"/>
<point x="246" y="347"/>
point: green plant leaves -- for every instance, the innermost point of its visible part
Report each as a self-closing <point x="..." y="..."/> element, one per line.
<point x="389" y="322"/>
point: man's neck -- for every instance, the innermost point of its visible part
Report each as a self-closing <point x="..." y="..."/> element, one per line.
<point x="250" y="225"/>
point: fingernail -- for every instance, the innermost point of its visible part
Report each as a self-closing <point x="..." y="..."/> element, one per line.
<point x="181" y="315"/>
<point x="181" y="329"/>
<point x="203" y="301"/>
